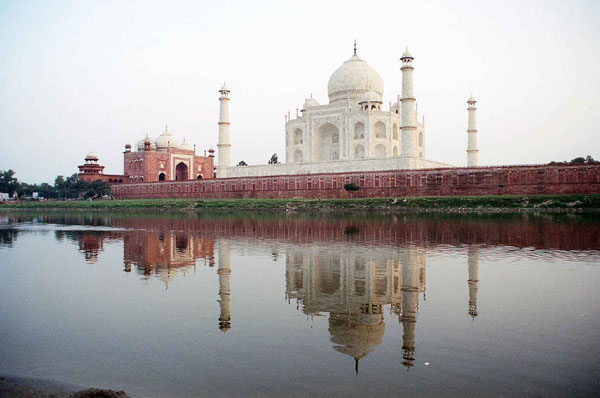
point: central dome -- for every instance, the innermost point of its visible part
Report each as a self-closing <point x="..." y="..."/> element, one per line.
<point x="353" y="79"/>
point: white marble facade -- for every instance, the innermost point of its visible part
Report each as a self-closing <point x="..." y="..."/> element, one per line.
<point x="353" y="125"/>
<point x="352" y="132"/>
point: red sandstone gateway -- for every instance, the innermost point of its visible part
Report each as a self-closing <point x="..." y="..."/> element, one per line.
<point x="164" y="159"/>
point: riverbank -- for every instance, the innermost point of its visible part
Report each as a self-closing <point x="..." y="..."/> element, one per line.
<point x="27" y="387"/>
<point x="456" y="204"/>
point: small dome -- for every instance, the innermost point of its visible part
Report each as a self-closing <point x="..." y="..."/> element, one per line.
<point x="407" y="54"/>
<point x="185" y="146"/>
<point x="370" y="96"/>
<point x="224" y="88"/>
<point x="310" y="103"/>
<point x="352" y="79"/>
<point x="141" y="143"/>
<point x="91" y="156"/>
<point x="471" y="99"/>
<point x="166" y="140"/>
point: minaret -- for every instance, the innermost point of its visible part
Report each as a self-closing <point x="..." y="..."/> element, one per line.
<point x="472" y="134"/>
<point x="473" y="281"/>
<point x="223" y="144"/>
<point x="409" y="121"/>
<point x="224" y="272"/>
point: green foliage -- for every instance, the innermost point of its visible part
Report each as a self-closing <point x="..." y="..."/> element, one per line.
<point x="70" y="188"/>
<point x="448" y="204"/>
<point x="577" y="160"/>
<point x="8" y="182"/>
<point x="351" y="187"/>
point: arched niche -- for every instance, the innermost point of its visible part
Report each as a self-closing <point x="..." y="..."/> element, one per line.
<point x="297" y="156"/>
<point x="359" y="130"/>
<point x="298" y="139"/>
<point x="359" y="151"/>
<point x="380" y="151"/>
<point x="379" y="129"/>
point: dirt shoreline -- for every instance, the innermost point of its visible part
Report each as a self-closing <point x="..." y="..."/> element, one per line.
<point x="31" y="387"/>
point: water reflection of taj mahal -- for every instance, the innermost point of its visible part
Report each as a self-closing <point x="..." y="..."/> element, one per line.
<point x="353" y="286"/>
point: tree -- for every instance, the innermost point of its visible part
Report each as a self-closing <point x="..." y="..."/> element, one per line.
<point x="351" y="187"/>
<point x="578" y="160"/>
<point x="242" y="163"/>
<point x="589" y="159"/>
<point x="60" y="186"/>
<point x="274" y="159"/>
<point x="74" y="187"/>
<point x="8" y="182"/>
<point x="97" y="189"/>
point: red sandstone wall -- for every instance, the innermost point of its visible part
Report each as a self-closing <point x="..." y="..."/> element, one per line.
<point x="476" y="181"/>
<point x="109" y="178"/>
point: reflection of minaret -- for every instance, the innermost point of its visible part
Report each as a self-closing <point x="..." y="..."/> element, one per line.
<point x="410" y="303"/>
<point x="473" y="281"/>
<point x="224" y="272"/>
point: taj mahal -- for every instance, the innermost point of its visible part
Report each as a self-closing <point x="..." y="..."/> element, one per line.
<point x="352" y="132"/>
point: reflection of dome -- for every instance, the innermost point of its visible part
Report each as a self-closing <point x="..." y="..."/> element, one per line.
<point x="352" y="79"/>
<point x="166" y="140"/>
<point x="357" y="335"/>
<point x="370" y="96"/>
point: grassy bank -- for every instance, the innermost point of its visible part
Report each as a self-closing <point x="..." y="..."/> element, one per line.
<point x="458" y="203"/>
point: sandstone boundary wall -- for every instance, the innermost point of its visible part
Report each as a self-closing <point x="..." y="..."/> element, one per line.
<point x="467" y="181"/>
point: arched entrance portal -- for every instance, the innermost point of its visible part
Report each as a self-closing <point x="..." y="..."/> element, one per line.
<point x="161" y="177"/>
<point x="327" y="145"/>
<point x="181" y="172"/>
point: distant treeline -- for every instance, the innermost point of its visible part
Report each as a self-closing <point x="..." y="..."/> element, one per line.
<point x="580" y="159"/>
<point x="64" y="188"/>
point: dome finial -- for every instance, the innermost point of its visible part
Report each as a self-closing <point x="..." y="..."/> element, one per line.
<point x="354" y="46"/>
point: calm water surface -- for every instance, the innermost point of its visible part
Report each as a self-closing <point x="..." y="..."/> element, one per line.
<point x="228" y="305"/>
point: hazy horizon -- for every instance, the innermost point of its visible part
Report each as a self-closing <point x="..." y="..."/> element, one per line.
<point x="78" y="76"/>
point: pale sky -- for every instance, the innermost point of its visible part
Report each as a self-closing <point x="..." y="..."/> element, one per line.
<point x="84" y="75"/>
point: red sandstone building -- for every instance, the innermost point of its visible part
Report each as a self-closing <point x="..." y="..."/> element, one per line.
<point x="164" y="159"/>
<point x="91" y="170"/>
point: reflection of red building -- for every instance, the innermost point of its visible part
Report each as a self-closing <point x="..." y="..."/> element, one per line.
<point x="165" y="252"/>
<point x="163" y="159"/>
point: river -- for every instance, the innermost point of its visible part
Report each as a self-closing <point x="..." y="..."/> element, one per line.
<point x="270" y="304"/>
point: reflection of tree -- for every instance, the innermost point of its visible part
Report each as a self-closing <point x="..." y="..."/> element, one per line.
<point x="8" y="237"/>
